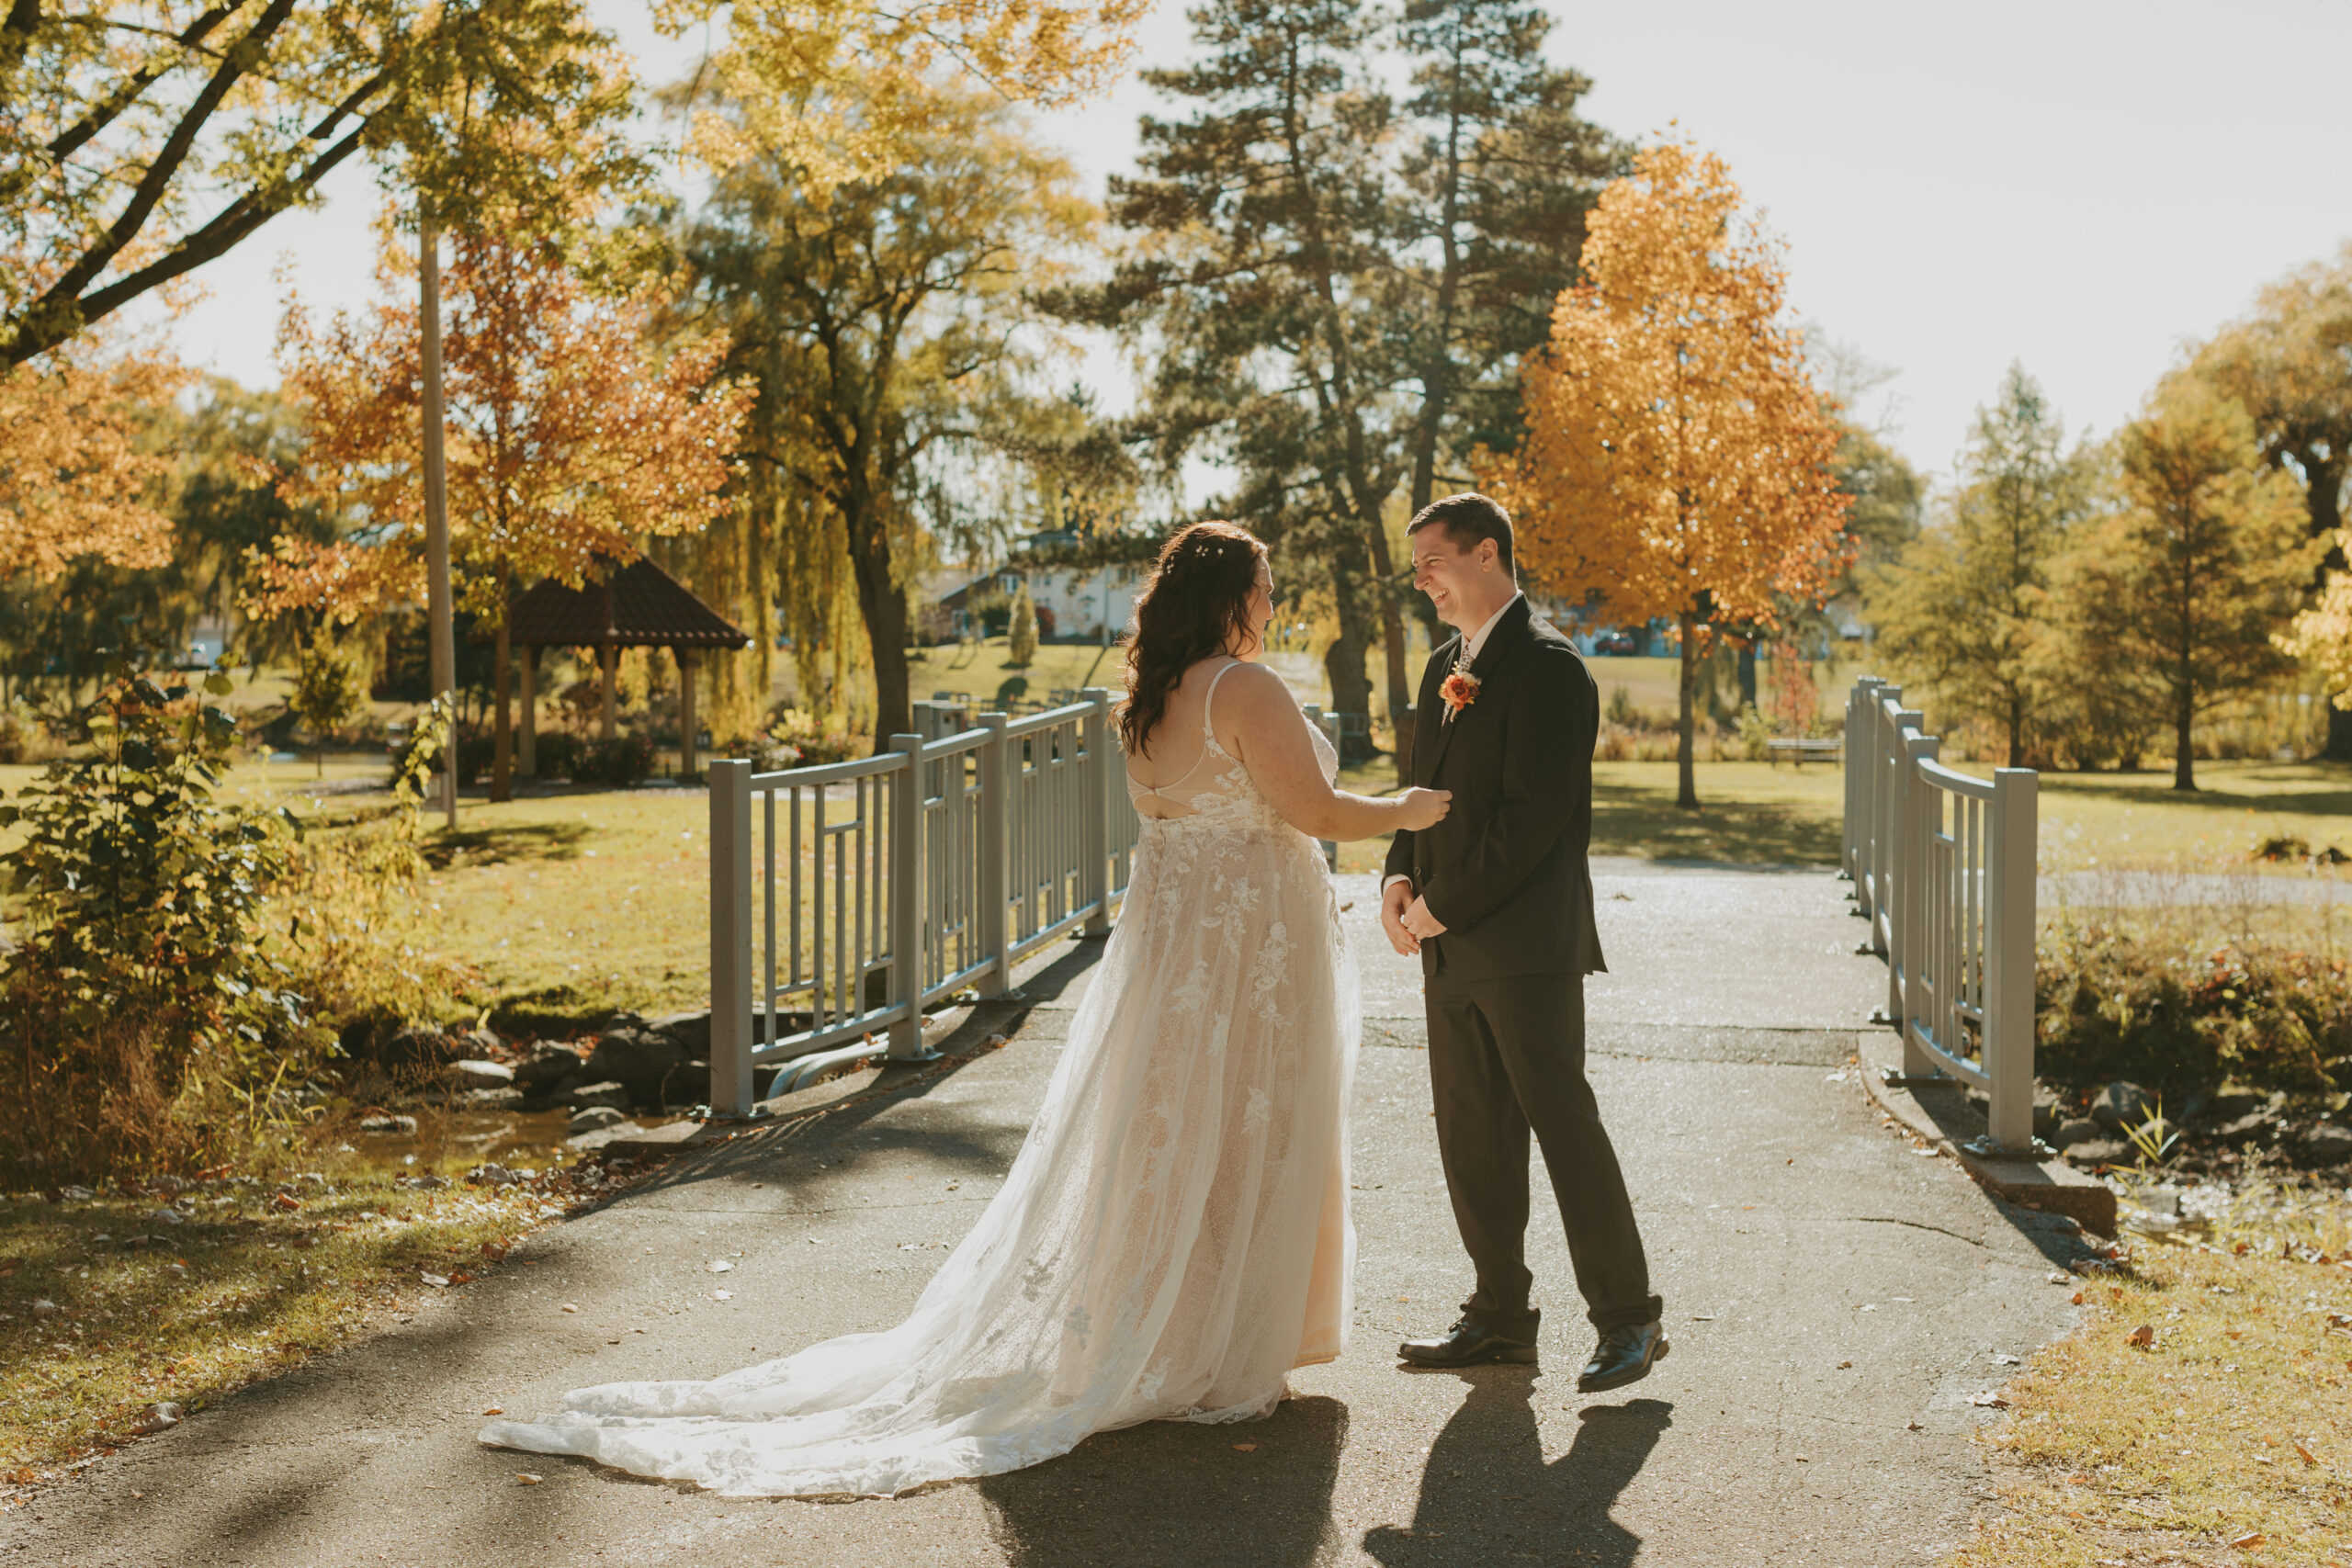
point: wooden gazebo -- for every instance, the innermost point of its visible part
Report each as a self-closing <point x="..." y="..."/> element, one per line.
<point x="639" y="606"/>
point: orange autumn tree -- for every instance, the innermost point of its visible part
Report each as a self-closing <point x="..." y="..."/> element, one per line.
<point x="567" y="440"/>
<point x="76" y="477"/>
<point x="1676" y="459"/>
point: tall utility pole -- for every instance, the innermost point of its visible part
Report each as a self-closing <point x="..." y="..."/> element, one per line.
<point x="437" y="608"/>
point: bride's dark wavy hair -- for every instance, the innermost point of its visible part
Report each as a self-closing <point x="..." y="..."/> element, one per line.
<point x="1197" y="602"/>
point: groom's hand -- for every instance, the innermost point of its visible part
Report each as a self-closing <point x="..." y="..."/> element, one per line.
<point x="1394" y="900"/>
<point x="1420" y="923"/>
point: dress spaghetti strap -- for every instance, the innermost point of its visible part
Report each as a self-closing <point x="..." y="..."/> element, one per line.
<point x="1208" y="698"/>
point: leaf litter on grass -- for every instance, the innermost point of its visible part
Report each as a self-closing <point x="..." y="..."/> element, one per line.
<point x="2199" y="1414"/>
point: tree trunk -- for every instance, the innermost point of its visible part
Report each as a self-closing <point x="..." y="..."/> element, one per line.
<point x="1686" y="729"/>
<point x="1344" y="661"/>
<point x="440" y="605"/>
<point x="2184" y="766"/>
<point x="2016" y="730"/>
<point x="882" y="603"/>
<point x="1392" y="638"/>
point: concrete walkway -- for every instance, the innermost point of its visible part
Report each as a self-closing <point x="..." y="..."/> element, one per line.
<point x="1833" y="1299"/>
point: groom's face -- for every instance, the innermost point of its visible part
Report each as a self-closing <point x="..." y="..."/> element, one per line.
<point x="1461" y="584"/>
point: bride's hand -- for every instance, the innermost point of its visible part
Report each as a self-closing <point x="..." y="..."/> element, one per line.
<point x="1424" y="807"/>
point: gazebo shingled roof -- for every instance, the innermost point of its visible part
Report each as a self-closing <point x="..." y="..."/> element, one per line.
<point x="639" y="606"/>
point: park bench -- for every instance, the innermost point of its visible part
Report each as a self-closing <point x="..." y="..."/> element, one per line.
<point x="1829" y="748"/>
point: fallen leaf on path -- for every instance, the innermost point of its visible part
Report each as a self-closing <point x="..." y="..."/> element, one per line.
<point x="2309" y="1458"/>
<point x="437" y="1280"/>
<point x="1991" y="1400"/>
<point x="2248" y="1541"/>
<point x="1843" y="1365"/>
<point x="1913" y="1426"/>
<point x="496" y="1410"/>
<point x="2143" y="1337"/>
<point x="723" y="1295"/>
<point x="569" y="1307"/>
<point x="1245" y="1447"/>
<point x="527" y="1479"/>
<point x="721" y="1266"/>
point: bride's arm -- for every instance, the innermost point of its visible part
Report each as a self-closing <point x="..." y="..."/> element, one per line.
<point x="1259" y="721"/>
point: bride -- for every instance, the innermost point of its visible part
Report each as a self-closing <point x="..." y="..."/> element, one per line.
<point x="1173" y="1238"/>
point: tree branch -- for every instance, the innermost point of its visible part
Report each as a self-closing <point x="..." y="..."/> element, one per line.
<point x="72" y="139"/>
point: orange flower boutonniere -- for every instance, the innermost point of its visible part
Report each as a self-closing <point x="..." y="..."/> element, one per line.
<point x="1459" y="691"/>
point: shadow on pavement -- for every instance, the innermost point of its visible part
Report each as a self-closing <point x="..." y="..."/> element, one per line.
<point x="835" y="1127"/>
<point x="1176" y="1493"/>
<point x="1487" y="1496"/>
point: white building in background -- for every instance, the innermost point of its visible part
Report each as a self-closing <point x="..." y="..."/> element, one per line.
<point x="1074" y="603"/>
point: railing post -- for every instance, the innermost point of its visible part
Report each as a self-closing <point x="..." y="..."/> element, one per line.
<point x="996" y="828"/>
<point x="2010" y="913"/>
<point x="1095" y="826"/>
<point x="730" y="936"/>
<point x="1912" y="892"/>
<point x="906" y="900"/>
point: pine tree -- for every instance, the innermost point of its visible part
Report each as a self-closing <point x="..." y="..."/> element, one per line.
<point x="1265" y="286"/>
<point x="1496" y="196"/>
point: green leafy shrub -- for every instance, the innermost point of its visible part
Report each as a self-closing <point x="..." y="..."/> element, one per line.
<point x="354" y="941"/>
<point x="618" y="763"/>
<point x="555" y="753"/>
<point x="2113" y="1004"/>
<point x="144" y="1021"/>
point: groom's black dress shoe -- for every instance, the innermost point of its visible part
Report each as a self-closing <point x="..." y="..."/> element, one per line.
<point x="1466" y="1345"/>
<point x="1623" y="1356"/>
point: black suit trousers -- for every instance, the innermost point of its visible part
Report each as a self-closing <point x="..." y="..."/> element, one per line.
<point x="1506" y="1059"/>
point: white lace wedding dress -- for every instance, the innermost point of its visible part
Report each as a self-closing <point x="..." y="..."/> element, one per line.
<point x="1172" y="1239"/>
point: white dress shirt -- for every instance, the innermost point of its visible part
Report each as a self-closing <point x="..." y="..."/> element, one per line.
<point x="1469" y="655"/>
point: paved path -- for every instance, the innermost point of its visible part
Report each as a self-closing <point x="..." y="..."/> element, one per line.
<point x="1833" y="1301"/>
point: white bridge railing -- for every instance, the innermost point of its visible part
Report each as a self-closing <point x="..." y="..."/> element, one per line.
<point x="1943" y="866"/>
<point x="858" y="893"/>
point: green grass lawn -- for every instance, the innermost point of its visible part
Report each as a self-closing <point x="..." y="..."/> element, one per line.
<point x="982" y="671"/>
<point x="2140" y="821"/>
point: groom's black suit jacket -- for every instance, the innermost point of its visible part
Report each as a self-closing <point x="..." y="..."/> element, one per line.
<point x="1506" y="871"/>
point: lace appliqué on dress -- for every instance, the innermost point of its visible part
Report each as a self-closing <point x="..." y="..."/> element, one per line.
<point x="1171" y="1242"/>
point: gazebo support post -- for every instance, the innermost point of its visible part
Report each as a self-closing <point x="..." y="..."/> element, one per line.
<point x="502" y="744"/>
<point x="527" y="759"/>
<point x="686" y="713"/>
<point x="608" y="667"/>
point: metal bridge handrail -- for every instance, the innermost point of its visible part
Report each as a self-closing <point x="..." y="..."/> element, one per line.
<point x="1943" y="865"/>
<point x="886" y="884"/>
<point x="1959" y="783"/>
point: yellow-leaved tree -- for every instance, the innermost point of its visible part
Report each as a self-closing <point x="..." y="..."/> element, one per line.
<point x="570" y="439"/>
<point x="75" y="475"/>
<point x="1677" y="460"/>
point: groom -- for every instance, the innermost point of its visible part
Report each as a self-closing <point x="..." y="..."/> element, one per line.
<point x="1498" y="901"/>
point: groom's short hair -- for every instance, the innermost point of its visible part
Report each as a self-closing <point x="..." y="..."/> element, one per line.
<point x="1466" y="519"/>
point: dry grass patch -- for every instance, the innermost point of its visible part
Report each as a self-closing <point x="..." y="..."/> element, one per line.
<point x="2200" y="1414"/>
<point x="107" y="1307"/>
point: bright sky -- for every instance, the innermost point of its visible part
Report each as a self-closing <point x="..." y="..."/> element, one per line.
<point x="2083" y="186"/>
